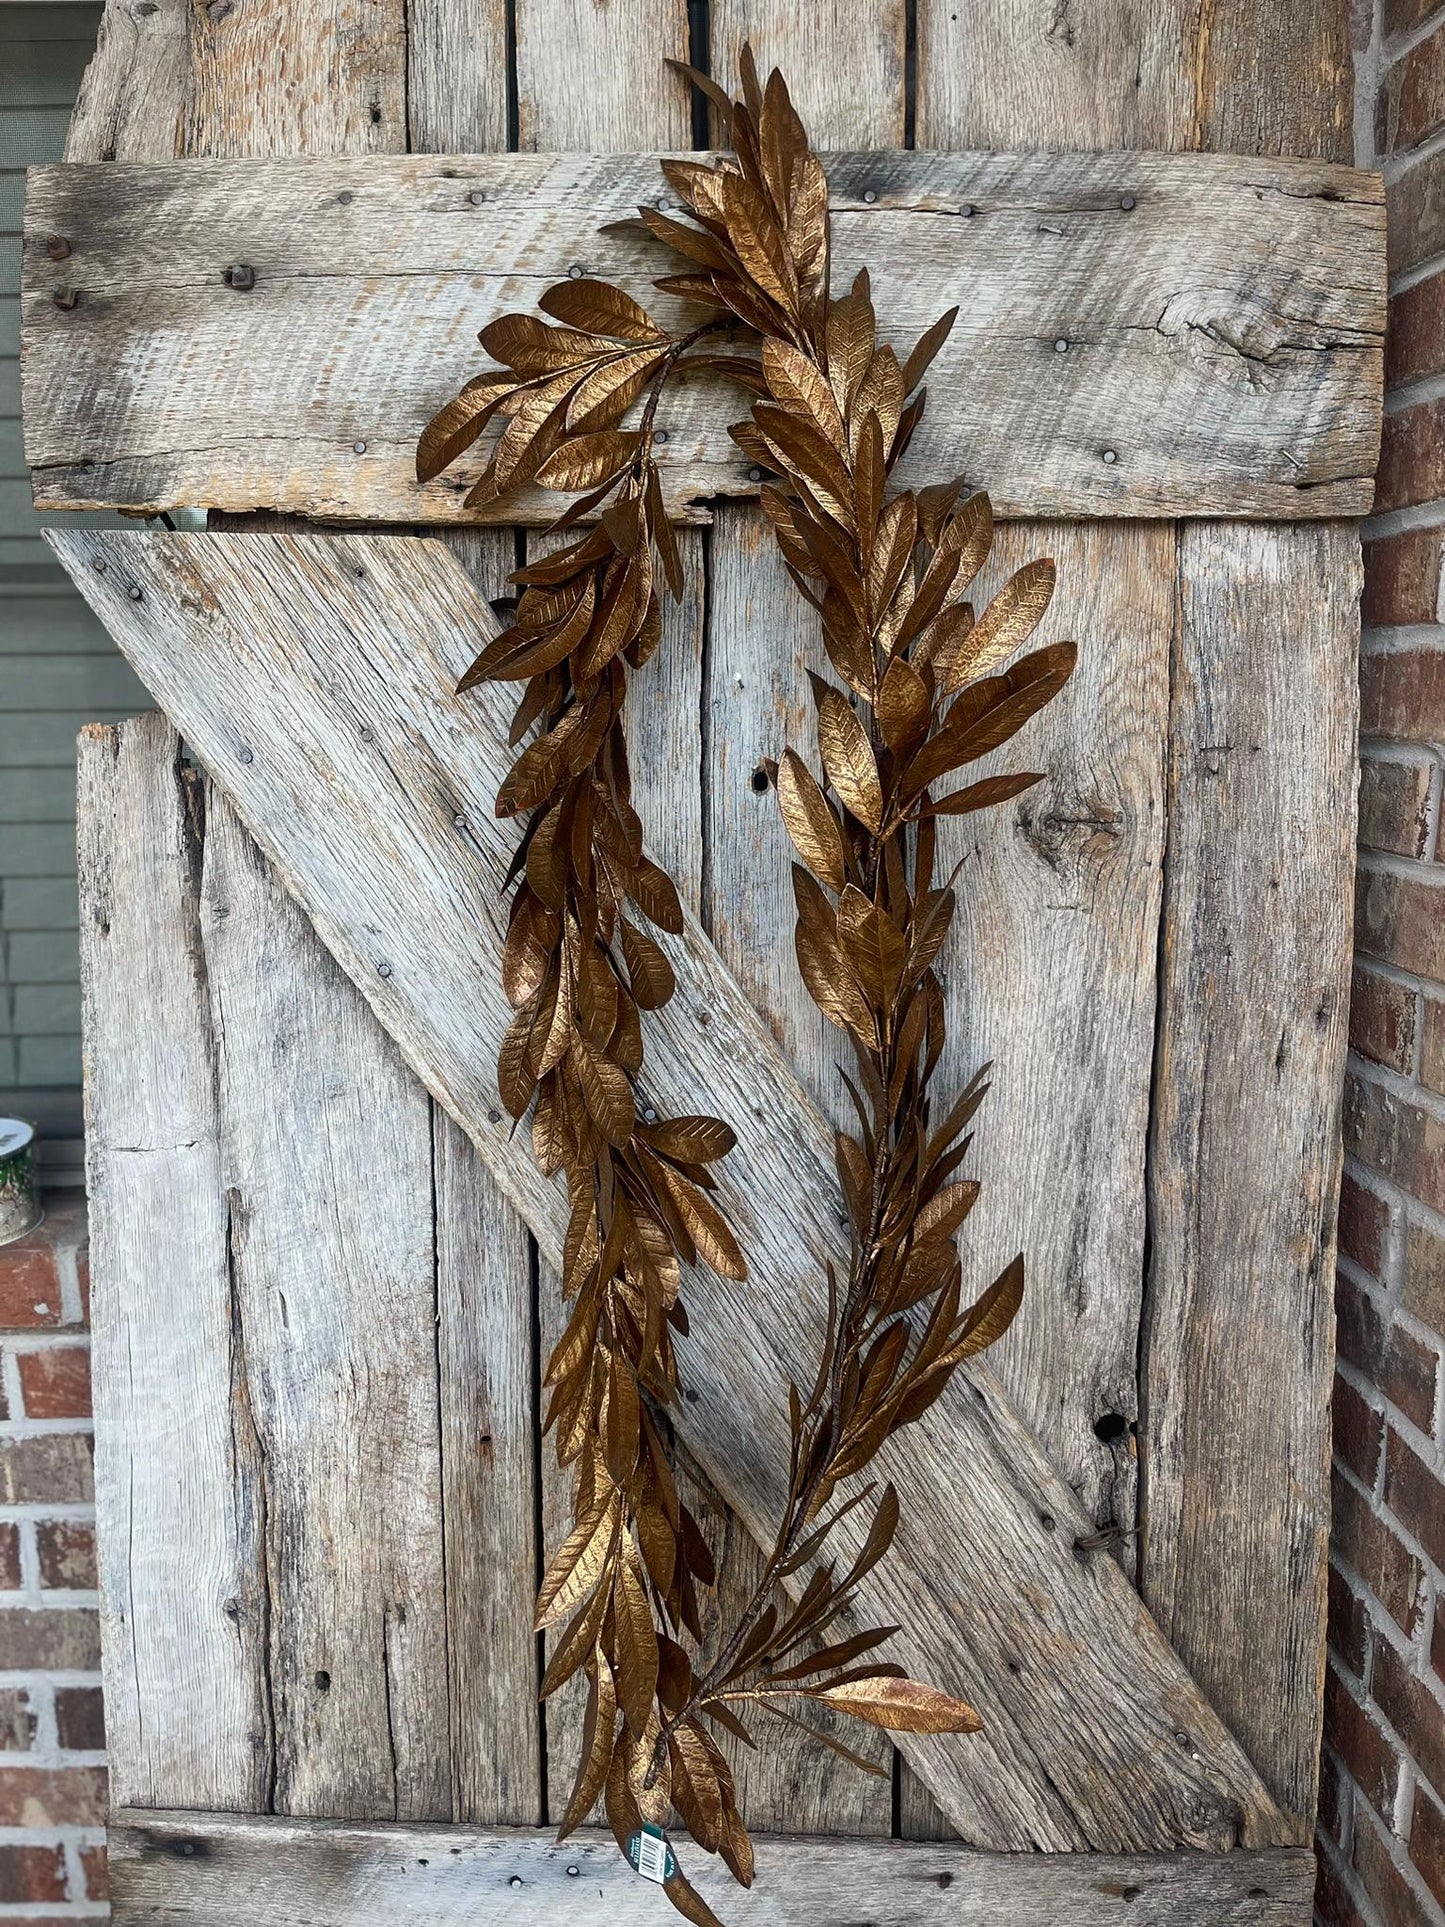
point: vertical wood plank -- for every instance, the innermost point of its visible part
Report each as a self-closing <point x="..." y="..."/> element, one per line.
<point x="456" y="86"/>
<point x="1275" y="80"/>
<point x="179" y="1481"/>
<point x="844" y="63"/>
<point x="1245" y="1157"/>
<point x="1055" y="73"/>
<point x="226" y="80"/>
<point x="591" y="78"/>
<point x="326" y="1166"/>
<point x="489" y="1482"/>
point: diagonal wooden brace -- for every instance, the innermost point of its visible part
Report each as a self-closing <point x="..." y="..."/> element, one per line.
<point x="314" y="676"/>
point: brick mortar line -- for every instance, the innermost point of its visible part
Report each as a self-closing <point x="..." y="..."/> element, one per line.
<point x="1414" y="1437"/>
<point x="1395" y="1085"/>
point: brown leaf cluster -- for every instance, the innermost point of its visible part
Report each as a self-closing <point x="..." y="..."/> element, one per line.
<point x="926" y="687"/>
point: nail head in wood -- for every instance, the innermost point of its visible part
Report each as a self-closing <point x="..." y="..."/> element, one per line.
<point x="66" y="298"/>
<point x="1128" y="203"/>
<point x="240" y="275"/>
<point x="57" y="247"/>
<point x="1110" y="456"/>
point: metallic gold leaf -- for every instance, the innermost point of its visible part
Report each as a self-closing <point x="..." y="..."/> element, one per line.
<point x="1005" y="625"/>
<point x="810" y="821"/>
<point x="849" y="761"/>
<point x="579" y="1564"/>
<point x="600" y="308"/>
<point x="902" y="1706"/>
<point x="636" y="1647"/>
<point x="648" y="971"/>
<point x="599" y="1733"/>
<point x="589" y="459"/>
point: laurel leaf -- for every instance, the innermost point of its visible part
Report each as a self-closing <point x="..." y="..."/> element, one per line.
<point x="810" y="821"/>
<point x="849" y="762"/>
<point x="901" y="1706"/>
<point x="600" y="308"/>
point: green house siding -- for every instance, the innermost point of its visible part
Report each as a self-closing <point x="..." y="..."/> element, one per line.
<point x="58" y="667"/>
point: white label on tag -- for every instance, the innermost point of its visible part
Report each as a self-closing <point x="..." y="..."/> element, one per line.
<point x="652" y="1857"/>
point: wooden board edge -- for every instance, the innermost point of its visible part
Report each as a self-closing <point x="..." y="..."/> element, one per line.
<point x="186" y="1869"/>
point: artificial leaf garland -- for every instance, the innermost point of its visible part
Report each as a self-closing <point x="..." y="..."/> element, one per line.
<point x="927" y="690"/>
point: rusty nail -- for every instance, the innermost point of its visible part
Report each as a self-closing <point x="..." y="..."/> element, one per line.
<point x="66" y="298"/>
<point x="57" y="247"/>
<point x="241" y="276"/>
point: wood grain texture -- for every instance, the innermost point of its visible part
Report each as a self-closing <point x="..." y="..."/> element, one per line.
<point x="1056" y="73"/>
<point x="229" y="79"/>
<point x="326" y="1164"/>
<point x="194" y="1868"/>
<point x="456" y="76"/>
<point x="183" y="1628"/>
<point x="487" y="1404"/>
<point x="282" y="658"/>
<point x="1050" y="978"/>
<point x="844" y="64"/>
<point x="1274" y="80"/>
<point x="1244" y="1169"/>
<point x="591" y="75"/>
<point x="1222" y="321"/>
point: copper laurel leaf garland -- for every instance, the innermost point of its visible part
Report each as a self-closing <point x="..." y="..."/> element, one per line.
<point x="928" y="691"/>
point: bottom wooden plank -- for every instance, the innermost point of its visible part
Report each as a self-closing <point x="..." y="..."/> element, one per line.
<point x="236" y="1870"/>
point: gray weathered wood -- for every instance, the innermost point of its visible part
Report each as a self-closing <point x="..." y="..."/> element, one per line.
<point x="294" y="77"/>
<point x="182" y="1620"/>
<point x="592" y="77"/>
<point x="192" y="1868"/>
<point x="1174" y="282"/>
<point x="326" y="1163"/>
<point x="1050" y="978"/>
<point x="1029" y="73"/>
<point x="1244" y="1169"/>
<point x="456" y="76"/>
<point x="284" y="659"/>
<point x="485" y="1362"/>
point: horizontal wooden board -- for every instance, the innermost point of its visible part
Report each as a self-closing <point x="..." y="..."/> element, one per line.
<point x="191" y="1868"/>
<point x="1139" y="335"/>
<point x="315" y="677"/>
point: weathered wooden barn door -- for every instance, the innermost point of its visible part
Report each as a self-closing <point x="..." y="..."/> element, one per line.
<point x="320" y="1309"/>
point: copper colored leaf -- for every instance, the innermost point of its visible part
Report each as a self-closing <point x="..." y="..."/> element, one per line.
<point x="636" y="1639"/>
<point x="648" y="971"/>
<point x="981" y="795"/>
<point x="849" y="761"/>
<point x="602" y="309"/>
<point x="990" y="1317"/>
<point x="578" y="1566"/>
<point x="809" y="821"/>
<point x="605" y="1088"/>
<point x="1005" y="625"/>
<point x="691" y="1140"/>
<point x="696" y="1788"/>
<point x="589" y="459"/>
<point x="688" y="1901"/>
<point x="454" y="428"/>
<point x="924" y="350"/>
<point x="902" y="1706"/>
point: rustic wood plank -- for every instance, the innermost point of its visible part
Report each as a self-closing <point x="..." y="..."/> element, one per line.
<point x="326" y="1164"/>
<point x="182" y="1614"/>
<point x="1173" y="280"/>
<point x="295" y="77"/>
<point x="456" y="79"/>
<point x="1051" y="979"/>
<point x="1034" y="73"/>
<point x="845" y="65"/>
<point x="486" y="1367"/>
<point x="189" y="1868"/>
<point x="284" y="657"/>
<point x="592" y="77"/>
<point x="1275" y="81"/>
<point x="1245" y="1167"/>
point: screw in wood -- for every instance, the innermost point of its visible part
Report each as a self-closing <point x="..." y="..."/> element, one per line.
<point x="57" y="247"/>
<point x="66" y="298"/>
<point x="241" y="276"/>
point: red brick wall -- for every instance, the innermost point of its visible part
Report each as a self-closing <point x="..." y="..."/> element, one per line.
<point x="1382" y="1817"/>
<point x="52" y="1739"/>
